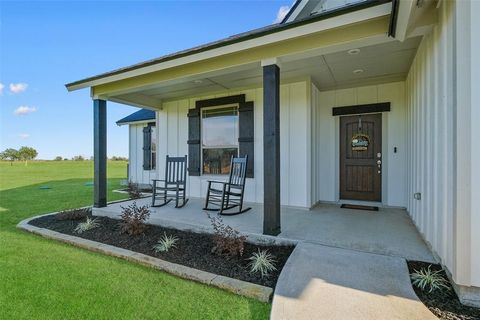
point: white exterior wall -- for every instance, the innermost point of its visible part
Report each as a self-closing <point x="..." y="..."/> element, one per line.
<point x="136" y="174"/>
<point x="326" y="131"/>
<point x="295" y="136"/>
<point x="442" y="115"/>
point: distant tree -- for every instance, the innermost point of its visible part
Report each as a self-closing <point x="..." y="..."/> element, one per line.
<point x="27" y="153"/>
<point x="115" y="158"/>
<point x="78" y="158"/>
<point x="9" y="154"/>
<point x="66" y="159"/>
<point x="58" y="158"/>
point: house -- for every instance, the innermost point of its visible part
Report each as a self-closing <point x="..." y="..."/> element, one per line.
<point x="368" y="101"/>
<point x="142" y="137"/>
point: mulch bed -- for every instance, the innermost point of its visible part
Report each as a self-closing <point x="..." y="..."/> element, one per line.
<point x="443" y="303"/>
<point x="192" y="249"/>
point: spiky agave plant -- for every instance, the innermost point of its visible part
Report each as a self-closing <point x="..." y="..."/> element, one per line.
<point x="87" y="225"/>
<point x="426" y="279"/>
<point x="262" y="262"/>
<point x="165" y="243"/>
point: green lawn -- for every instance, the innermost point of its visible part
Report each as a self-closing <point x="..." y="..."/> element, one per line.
<point x="44" y="279"/>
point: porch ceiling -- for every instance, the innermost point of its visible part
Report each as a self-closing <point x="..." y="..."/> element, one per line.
<point x="384" y="62"/>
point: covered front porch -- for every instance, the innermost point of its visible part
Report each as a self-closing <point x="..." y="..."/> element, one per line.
<point x="388" y="231"/>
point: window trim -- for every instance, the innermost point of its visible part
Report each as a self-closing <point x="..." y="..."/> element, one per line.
<point x="202" y="147"/>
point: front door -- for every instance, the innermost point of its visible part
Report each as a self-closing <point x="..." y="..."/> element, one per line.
<point x="361" y="157"/>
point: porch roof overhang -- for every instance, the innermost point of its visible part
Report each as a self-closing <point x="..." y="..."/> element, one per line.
<point x="366" y="22"/>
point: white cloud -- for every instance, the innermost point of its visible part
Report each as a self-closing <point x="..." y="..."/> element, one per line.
<point x="24" y="110"/>
<point x="24" y="135"/>
<point x="1" y="88"/>
<point x="282" y="12"/>
<point x="18" y="87"/>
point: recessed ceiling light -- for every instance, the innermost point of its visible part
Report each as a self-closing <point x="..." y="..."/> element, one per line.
<point x="353" y="51"/>
<point x="198" y="81"/>
<point x="357" y="71"/>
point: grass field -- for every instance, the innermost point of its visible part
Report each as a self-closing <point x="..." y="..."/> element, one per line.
<point x="43" y="279"/>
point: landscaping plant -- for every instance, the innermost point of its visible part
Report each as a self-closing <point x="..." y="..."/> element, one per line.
<point x="165" y="243"/>
<point x="426" y="279"/>
<point x="74" y="214"/>
<point x="133" y="219"/>
<point x="87" y="225"/>
<point x="226" y="240"/>
<point x="133" y="191"/>
<point x="262" y="262"/>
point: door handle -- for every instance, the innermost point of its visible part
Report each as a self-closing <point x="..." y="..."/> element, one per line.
<point x="379" y="162"/>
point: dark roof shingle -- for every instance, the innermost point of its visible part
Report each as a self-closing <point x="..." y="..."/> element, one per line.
<point x="140" y="115"/>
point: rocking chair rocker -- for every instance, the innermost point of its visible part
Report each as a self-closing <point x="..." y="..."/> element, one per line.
<point x="228" y="195"/>
<point x="174" y="184"/>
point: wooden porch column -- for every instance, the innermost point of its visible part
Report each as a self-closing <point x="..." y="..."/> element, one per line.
<point x="100" y="153"/>
<point x="271" y="149"/>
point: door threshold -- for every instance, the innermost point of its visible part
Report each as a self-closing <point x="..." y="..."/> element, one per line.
<point x="361" y="203"/>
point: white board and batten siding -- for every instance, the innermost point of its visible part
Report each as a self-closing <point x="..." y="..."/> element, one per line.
<point x="326" y="139"/>
<point x="442" y="137"/>
<point x="136" y="173"/>
<point x="295" y="138"/>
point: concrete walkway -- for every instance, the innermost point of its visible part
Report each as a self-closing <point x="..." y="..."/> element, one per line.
<point x="321" y="282"/>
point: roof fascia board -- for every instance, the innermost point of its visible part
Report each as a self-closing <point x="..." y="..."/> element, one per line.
<point x="135" y="122"/>
<point x="301" y="30"/>
<point x="404" y="14"/>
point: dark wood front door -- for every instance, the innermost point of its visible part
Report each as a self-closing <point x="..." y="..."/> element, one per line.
<point x="361" y="157"/>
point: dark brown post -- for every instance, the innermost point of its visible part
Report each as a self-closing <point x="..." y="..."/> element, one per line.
<point x="271" y="149"/>
<point x="99" y="153"/>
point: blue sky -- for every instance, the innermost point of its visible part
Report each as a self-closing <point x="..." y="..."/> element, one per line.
<point x="44" y="45"/>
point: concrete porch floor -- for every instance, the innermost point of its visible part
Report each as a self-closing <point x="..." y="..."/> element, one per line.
<point x="387" y="231"/>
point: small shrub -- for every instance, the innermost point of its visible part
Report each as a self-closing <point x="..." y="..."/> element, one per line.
<point x="133" y="191"/>
<point x="226" y="239"/>
<point x="262" y="262"/>
<point x="74" y="214"/>
<point x="426" y="279"/>
<point x="87" y="225"/>
<point x="133" y="219"/>
<point x="165" y="243"/>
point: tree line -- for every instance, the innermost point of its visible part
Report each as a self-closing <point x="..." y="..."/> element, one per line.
<point x="27" y="154"/>
<point x="82" y="158"/>
<point x="22" y="154"/>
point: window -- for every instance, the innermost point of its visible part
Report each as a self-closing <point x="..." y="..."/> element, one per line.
<point x="219" y="138"/>
<point x="149" y="147"/>
<point x="153" y="149"/>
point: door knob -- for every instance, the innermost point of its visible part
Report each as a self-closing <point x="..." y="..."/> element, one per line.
<point x="379" y="162"/>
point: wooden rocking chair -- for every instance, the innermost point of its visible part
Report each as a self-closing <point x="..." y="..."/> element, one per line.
<point x="226" y="195"/>
<point x="174" y="184"/>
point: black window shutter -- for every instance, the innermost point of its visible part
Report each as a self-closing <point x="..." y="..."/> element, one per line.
<point x="245" y="139"/>
<point x="194" y="142"/>
<point x="147" y="147"/>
